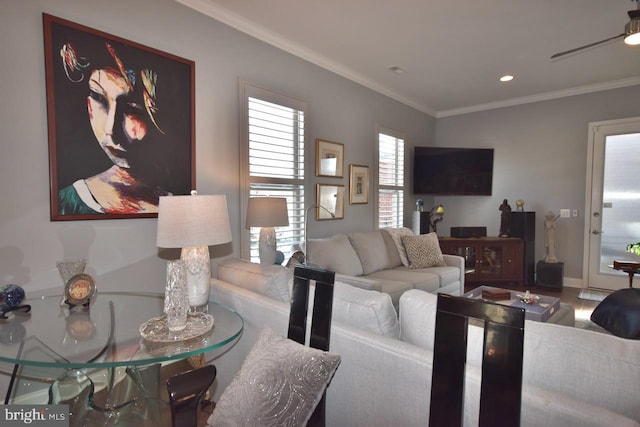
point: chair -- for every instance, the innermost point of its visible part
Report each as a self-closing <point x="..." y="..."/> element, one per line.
<point x="182" y="395"/>
<point x="501" y="384"/>
<point x="320" y="320"/>
<point x="186" y="391"/>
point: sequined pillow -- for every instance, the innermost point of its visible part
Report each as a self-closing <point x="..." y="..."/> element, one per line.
<point x="279" y="384"/>
<point x="423" y="251"/>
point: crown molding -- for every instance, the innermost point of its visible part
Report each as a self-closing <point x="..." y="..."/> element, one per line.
<point x="242" y="24"/>
<point x="579" y="90"/>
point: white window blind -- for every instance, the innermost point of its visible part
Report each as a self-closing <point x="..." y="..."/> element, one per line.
<point x="274" y="162"/>
<point x="390" y="180"/>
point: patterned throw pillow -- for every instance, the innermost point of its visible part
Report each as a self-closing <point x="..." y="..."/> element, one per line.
<point x="423" y="251"/>
<point x="279" y="384"/>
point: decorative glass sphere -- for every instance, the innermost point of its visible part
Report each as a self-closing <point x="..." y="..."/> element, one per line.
<point x="11" y="296"/>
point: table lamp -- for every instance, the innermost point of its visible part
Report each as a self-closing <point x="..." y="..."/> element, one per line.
<point x="194" y="223"/>
<point x="435" y="216"/>
<point x="267" y="213"/>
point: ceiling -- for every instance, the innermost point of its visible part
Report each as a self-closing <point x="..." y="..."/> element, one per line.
<point x="453" y="52"/>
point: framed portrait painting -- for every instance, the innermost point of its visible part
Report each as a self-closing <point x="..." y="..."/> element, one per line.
<point x="358" y="184"/>
<point x="121" y="124"/>
<point x="329" y="201"/>
<point x="329" y="159"/>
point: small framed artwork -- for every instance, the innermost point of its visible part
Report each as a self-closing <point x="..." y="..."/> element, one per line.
<point x="358" y="184"/>
<point x="329" y="159"/>
<point x="121" y="122"/>
<point x="329" y="201"/>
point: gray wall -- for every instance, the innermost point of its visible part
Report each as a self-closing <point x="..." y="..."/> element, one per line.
<point x="122" y="254"/>
<point x="540" y="147"/>
<point x="541" y="157"/>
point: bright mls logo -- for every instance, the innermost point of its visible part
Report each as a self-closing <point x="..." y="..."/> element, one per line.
<point x="35" y="415"/>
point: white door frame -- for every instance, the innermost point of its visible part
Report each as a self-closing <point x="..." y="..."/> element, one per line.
<point x="595" y="166"/>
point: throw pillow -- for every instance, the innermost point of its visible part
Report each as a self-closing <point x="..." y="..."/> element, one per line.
<point x="279" y="384"/>
<point x="619" y="313"/>
<point x="334" y="254"/>
<point x="369" y="310"/>
<point x="423" y="251"/>
<point x="396" y="235"/>
<point x="371" y="249"/>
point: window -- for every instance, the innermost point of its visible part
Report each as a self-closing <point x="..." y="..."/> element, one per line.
<point x="390" y="180"/>
<point x="273" y="162"/>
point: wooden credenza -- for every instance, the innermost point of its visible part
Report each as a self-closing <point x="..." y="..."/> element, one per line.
<point x="488" y="260"/>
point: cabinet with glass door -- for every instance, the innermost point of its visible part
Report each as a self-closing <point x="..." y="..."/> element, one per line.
<point x="488" y="260"/>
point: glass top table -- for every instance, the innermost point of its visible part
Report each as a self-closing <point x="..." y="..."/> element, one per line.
<point x="106" y="335"/>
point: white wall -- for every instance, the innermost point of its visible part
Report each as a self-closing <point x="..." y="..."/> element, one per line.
<point x="541" y="157"/>
<point x="121" y="254"/>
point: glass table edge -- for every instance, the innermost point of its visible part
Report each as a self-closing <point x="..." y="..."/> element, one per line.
<point x="130" y="362"/>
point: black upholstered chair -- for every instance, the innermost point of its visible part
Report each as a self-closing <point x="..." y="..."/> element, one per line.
<point x="186" y="391"/>
<point x="320" y="320"/>
<point x="501" y="387"/>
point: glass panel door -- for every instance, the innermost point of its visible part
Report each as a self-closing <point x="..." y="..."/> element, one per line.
<point x="614" y="220"/>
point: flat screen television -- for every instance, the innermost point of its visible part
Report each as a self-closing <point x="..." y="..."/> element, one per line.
<point x="452" y="171"/>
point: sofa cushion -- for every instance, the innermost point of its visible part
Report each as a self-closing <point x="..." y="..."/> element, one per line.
<point x="423" y="251"/>
<point x="392" y="249"/>
<point x="594" y="367"/>
<point x="418" y="318"/>
<point x="335" y="254"/>
<point x="280" y="383"/>
<point x="371" y="250"/>
<point x="420" y="279"/>
<point x="396" y="235"/>
<point x="619" y="313"/>
<point x="445" y="275"/>
<point x="393" y="286"/>
<point x="369" y="310"/>
<point x="269" y="280"/>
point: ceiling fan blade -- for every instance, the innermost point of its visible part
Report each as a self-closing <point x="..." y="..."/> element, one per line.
<point x="566" y="52"/>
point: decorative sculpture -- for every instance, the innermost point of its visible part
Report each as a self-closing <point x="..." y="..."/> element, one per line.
<point x="505" y="218"/>
<point x="550" y="237"/>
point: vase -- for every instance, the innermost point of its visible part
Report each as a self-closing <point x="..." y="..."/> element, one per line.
<point x="176" y="298"/>
<point x="70" y="267"/>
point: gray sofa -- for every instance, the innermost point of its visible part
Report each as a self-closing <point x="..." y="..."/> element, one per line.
<point x="376" y="260"/>
<point x="572" y="377"/>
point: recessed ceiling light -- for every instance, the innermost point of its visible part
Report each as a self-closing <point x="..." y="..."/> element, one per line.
<point x="396" y="69"/>
<point x="506" y="78"/>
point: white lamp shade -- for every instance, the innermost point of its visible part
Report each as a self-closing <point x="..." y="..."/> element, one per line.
<point x="267" y="212"/>
<point x="185" y="221"/>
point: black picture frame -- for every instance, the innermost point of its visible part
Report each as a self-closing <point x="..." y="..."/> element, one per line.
<point x="150" y="122"/>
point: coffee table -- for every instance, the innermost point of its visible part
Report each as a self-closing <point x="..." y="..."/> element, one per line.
<point x="541" y="311"/>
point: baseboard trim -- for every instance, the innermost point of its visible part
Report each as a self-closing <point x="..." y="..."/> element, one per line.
<point x="572" y="282"/>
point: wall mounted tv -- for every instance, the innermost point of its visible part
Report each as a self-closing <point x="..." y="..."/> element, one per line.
<point x="452" y="171"/>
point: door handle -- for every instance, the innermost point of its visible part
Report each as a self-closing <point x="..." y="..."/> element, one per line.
<point x="596" y="232"/>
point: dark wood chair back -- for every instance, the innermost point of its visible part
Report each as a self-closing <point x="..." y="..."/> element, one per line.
<point x="320" y="319"/>
<point x="501" y="387"/>
<point x="186" y="391"/>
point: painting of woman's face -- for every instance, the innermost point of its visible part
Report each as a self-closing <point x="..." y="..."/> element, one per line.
<point x="117" y="122"/>
<point x="121" y="123"/>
